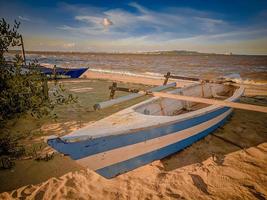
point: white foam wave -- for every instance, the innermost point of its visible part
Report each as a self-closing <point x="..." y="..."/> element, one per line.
<point x="47" y="65"/>
<point x="153" y="74"/>
<point x="126" y="73"/>
<point x="232" y="77"/>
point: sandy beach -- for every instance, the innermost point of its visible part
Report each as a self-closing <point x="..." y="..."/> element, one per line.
<point x="228" y="164"/>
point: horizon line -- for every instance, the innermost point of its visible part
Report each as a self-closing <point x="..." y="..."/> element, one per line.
<point x="142" y="52"/>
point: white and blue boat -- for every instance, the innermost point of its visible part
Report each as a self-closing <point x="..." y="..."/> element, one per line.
<point x="148" y="131"/>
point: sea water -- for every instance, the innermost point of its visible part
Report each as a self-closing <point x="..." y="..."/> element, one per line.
<point x="253" y="69"/>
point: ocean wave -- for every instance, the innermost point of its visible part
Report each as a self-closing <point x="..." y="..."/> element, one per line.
<point x="154" y="75"/>
<point x="48" y="65"/>
<point x="125" y="73"/>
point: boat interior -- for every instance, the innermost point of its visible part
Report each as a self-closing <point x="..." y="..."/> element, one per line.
<point x="171" y="107"/>
<point x="129" y="120"/>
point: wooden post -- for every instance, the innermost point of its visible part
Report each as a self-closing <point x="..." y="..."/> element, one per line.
<point x="167" y="76"/>
<point x="112" y="90"/>
<point x="23" y="51"/>
<point x="55" y="72"/>
<point x="45" y="88"/>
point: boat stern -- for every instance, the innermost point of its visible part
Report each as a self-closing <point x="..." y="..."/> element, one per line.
<point x="58" y="144"/>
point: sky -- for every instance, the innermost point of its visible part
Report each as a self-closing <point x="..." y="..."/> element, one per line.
<point x="212" y="26"/>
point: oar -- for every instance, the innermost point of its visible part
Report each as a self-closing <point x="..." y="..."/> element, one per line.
<point x="212" y="101"/>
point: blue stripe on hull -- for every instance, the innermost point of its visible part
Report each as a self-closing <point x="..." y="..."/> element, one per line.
<point x="125" y="166"/>
<point x="78" y="150"/>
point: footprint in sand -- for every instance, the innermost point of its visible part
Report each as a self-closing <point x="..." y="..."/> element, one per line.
<point x="173" y="194"/>
<point x="255" y="193"/>
<point x="221" y="181"/>
<point x="199" y="183"/>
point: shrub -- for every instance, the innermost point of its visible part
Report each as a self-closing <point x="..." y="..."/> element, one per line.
<point x="24" y="88"/>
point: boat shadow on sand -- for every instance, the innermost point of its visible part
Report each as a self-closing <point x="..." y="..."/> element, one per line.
<point x="243" y="130"/>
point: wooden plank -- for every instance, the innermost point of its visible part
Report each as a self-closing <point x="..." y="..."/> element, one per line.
<point x="112" y="102"/>
<point x="22" y="49"/>
<point x="185" y="78"/>
<point x="115" y="88"/>
<point x="212" y="101"/>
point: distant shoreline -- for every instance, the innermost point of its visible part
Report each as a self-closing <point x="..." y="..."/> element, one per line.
<point x="152" y="53"/>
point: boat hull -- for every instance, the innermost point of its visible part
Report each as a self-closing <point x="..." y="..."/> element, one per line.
<point x="112" y="155"/>
<point x="69" y="72"/>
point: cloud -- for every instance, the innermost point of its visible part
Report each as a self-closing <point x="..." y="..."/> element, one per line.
<point x="90" y="19"/>
<point x="107" y="22"/>
<point x="68" y="45"/>
<point x="173" y="22"/>
<point x="24" y="18"/>
<point x="241" y="34"/>
<point x="81" y="9"/>
<point x="32" y="19"/>
<point x="44" y="42"/>
<point x="210" y="24"/>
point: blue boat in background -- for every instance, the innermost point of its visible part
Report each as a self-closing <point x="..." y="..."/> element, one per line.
<point x="69" y="72"/>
